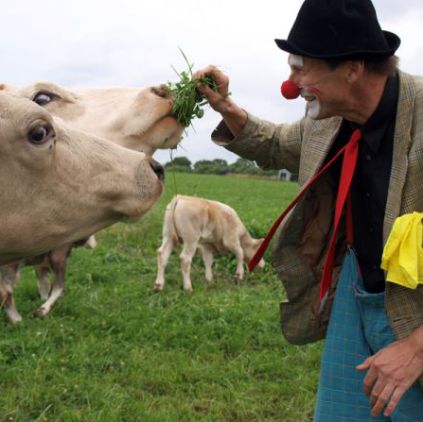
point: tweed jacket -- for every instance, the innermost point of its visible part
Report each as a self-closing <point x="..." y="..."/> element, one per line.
<point x="299" y="251"/>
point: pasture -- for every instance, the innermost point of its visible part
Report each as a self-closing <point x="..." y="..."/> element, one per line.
<point x="113" y="350"/>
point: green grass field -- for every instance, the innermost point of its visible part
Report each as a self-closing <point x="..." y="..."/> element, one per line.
<point x="113" y="350"/>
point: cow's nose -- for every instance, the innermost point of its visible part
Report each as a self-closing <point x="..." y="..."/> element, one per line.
<point x="157" y="168"/>
<point x="162" y="91"/>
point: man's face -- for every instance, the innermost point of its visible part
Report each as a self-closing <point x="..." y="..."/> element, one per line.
<point x="324" y="89"/>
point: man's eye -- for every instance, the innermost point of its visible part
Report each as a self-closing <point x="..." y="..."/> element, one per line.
<point x="43" y="98"/>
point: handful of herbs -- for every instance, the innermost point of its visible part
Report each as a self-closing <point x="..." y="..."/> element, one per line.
<point x="188" y="102"/>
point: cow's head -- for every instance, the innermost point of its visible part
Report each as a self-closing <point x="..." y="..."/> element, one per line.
<point x="137" y="118"/>
<point x="60" y="185"/>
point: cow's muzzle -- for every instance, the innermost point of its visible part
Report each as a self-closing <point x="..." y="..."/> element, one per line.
<point x="157" y="168"/>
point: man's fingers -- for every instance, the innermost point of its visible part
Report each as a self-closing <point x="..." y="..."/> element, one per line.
<point x="377" y="389"/>
<point x="380" y="396"/>
<point x="201" y="73"/>
<point x="204" y="88"/>
<point x="211" y="95"/>
<point x="364" y="365"/>
<point x="209" y="71"/>
<point x="394" y="400"/>
<point x="369" y="381"/>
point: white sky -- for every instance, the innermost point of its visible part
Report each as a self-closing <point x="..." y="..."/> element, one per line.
<point x="102" y="43"/>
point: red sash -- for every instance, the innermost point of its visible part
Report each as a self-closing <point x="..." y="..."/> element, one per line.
<point x="350" y="154"/>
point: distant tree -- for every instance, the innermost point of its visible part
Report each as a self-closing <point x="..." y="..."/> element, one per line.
<point x="221" y="166"/>
<point x="244" y="166"/>
<point x="182" y="164"/>
<point x="216" y="166"/>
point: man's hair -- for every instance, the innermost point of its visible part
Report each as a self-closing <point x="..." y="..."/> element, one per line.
<point x="385" y="66"/>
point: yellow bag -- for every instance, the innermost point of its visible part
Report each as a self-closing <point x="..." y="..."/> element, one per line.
<point x="402" y="257"/>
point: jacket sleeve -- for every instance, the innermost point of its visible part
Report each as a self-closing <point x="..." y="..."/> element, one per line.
<point x="272" y="146"/>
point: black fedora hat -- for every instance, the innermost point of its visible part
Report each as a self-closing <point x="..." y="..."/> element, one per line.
<point x="338" y="29"/>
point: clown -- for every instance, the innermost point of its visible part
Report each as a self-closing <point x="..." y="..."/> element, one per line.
<point x="361" y="107"/>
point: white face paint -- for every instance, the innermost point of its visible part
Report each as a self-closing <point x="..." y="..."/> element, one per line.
<point x="313" y="107"/>
<point x="296" y="61"/>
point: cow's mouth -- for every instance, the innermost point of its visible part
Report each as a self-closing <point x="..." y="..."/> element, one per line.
<point x="158" y="169"/>
<point x="173" y="128"/>
<point x="169" y="115"/>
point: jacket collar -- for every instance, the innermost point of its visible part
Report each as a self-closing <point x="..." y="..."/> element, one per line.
<point x="402" y="145"/>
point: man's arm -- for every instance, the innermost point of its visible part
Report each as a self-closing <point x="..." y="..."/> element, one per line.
<point x="271" y="146"/>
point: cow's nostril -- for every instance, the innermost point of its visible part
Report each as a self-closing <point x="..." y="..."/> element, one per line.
<point x="161" y="91"/>
<point x="158" y="169"/>
<point x="41" y="133"/>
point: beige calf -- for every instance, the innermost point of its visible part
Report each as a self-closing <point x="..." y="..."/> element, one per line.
<point x="209" y="226"/>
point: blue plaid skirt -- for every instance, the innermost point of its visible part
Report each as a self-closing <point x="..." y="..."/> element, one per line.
<point x="358" y="328"/>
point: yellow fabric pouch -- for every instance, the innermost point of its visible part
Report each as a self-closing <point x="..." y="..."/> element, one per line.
<point x="402" y="257"/>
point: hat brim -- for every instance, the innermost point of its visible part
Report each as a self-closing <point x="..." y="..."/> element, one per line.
<point x="392" y="40"/>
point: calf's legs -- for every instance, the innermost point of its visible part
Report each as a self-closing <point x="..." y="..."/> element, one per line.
<point x="188" y="251"/>
<point x="163" y="254"/>
<point x="239" y="253"/>
<point x="207" y="254"/>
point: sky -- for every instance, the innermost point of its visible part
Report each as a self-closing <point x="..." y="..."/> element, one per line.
<point x="105" y="43"/>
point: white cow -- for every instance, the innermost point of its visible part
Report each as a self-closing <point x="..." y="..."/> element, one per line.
<point x="209" y="226"/>
<point x="137" y="118"/>
<point x="140" y="119"/>
<point x="59" y="185"/>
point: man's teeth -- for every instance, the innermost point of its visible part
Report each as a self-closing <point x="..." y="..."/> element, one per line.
<point x="308" y="97"/>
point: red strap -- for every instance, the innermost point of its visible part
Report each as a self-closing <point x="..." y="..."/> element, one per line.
<point x="347" y="172"/>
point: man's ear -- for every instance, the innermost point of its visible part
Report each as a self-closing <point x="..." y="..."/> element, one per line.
<point x="355" y="69"/>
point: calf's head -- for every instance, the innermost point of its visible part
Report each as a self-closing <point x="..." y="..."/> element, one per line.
<point x="59" y="185"/>
<point x="250" y="247"/>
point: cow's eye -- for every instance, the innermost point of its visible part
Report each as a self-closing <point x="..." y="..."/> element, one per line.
<point x="43" y="98"/>
<point x="41" y="133"/>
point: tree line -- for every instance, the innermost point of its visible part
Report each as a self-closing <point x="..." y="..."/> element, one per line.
<point x="219" y="166"/>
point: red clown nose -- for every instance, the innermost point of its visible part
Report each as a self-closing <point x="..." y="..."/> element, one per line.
<point x="289" y="90"/>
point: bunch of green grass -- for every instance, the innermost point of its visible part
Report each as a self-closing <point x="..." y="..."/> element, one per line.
<point x="188" y="102"/>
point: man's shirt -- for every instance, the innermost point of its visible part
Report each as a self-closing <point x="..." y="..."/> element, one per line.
<point x="370" y="184"/>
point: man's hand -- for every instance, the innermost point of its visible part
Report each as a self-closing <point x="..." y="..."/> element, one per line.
<point x="217" y="99"/>
<point x="392" y="371"/>
<point x="234" y="116"/>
